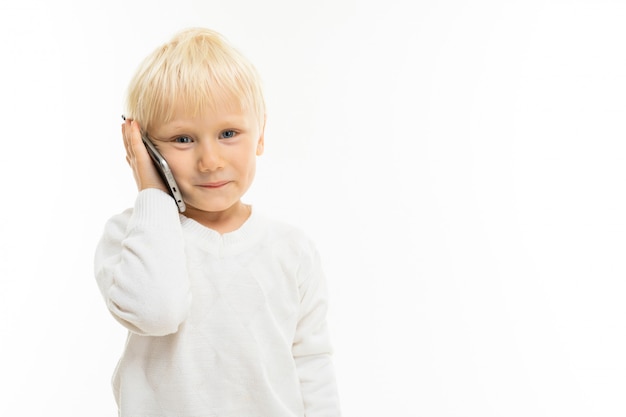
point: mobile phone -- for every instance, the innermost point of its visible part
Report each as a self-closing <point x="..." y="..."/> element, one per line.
<point x="165" y="172"/>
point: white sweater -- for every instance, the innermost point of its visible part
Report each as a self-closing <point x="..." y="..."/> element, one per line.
<point x="219" y="325"/>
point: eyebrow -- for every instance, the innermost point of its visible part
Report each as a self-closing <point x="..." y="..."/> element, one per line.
<point x="177" y="126"/>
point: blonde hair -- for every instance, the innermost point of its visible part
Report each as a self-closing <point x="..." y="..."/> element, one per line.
<point x="199" y="70"/>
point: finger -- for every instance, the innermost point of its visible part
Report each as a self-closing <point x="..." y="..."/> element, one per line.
<point x="139" y="151"/>
<point x="125" y="137"/>
<point x="134" y="139"/>
<point x="146" y="175"/>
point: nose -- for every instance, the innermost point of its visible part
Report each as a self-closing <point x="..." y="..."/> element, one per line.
<point x="209" y="156"/>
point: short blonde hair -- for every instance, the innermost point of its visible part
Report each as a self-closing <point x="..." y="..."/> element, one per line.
<point x="199" y="69"/>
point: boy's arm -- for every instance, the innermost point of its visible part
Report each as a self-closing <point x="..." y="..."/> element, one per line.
<point x="311" y="349"/>
<point x="140" y="266"/>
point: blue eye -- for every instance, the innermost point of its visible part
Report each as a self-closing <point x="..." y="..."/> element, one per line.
<point x="183" y="139"/>
<point x="228" y="134"/>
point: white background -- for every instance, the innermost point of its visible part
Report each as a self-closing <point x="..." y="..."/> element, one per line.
<point x="461" y="165"/>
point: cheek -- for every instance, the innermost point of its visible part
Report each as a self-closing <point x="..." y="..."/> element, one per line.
<point x="179" y="165"/>
<point x="248" y="166"/>
<point x="246" y="160"/>
<point x="251" y="166"/>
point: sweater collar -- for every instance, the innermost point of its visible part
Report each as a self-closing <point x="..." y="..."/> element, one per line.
<point x="228" y="243"/>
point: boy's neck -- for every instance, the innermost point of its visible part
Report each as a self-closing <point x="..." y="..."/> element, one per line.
<point x="222" y="221"/>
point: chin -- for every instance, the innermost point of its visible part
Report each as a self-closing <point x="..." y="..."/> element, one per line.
<point x="210" y="207"/>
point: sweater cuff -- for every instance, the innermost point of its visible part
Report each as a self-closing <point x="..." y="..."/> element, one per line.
<point x="154" y="208"/>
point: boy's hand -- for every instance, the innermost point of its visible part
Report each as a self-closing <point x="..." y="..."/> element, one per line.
<point x="146" y="175"/>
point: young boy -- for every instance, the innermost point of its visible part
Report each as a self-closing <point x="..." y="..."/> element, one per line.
<point x="225" y="308"/>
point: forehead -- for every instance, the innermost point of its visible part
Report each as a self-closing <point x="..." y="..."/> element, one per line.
<point x="226" y="114"/>
<point x="214" y="106"/>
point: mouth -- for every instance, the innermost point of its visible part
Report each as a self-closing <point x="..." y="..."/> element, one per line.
<point x="213" y="185"/>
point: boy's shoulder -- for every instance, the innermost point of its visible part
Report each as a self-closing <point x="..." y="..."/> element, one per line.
<point x="290" y="245"/>
<point x="281" y="227"/>
<point x="281" y="231"/>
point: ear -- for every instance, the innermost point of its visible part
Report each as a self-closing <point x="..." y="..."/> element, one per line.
<point x="261" y="143"/>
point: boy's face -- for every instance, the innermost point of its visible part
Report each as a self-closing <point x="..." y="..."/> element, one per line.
<point x="212" y="157"/>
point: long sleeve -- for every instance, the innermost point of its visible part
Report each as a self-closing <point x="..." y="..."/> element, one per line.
<point x="311" y="348"/>
<point x="140" y="266"/>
